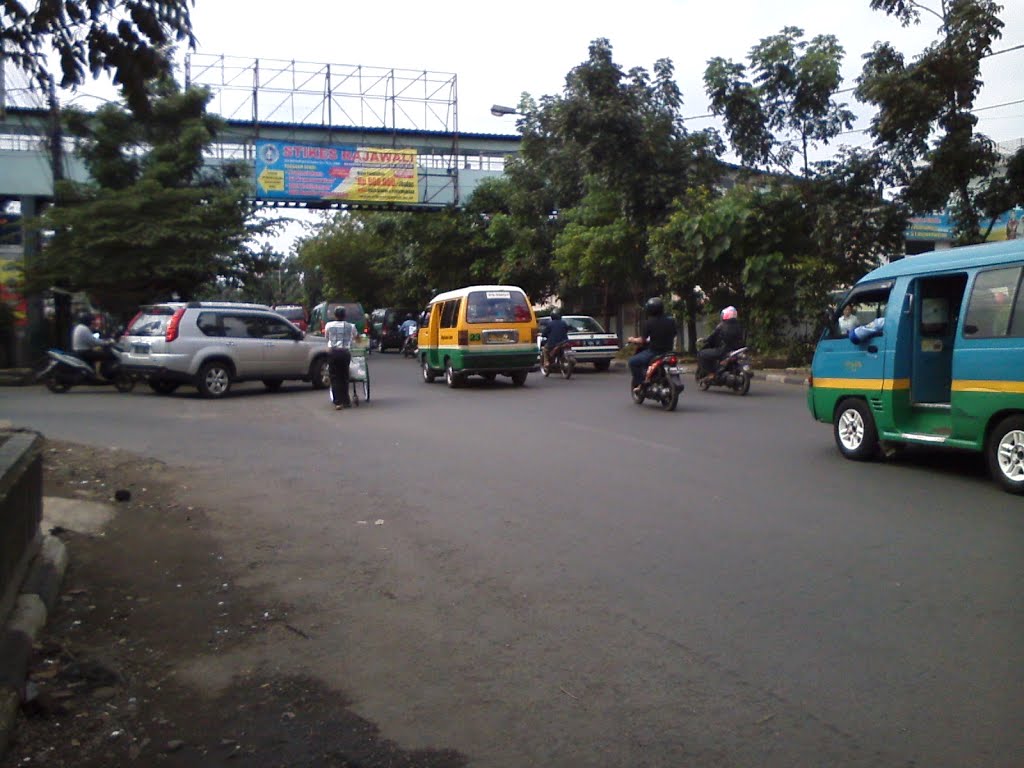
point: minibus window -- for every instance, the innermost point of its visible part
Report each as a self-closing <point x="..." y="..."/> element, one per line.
<point x="992" y="299"/>
<point x="498" y="306"/>
<point x="450" y="313"/>
<point x="866" y="304"/>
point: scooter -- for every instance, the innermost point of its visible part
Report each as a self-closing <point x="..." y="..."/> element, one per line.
<point x="733" y="371"/>
<point x="410" y="346"/>
<point x="64" y="370"/>
<point x="561" y="359"/>
<point x="662" y="382"/>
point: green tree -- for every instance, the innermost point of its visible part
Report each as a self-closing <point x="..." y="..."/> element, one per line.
<point x="608" y="156"/>
<point x="154" y="221"/>
<point x="129" y="39"/>
<point x="924" y="123"/>
<point x="782" y="104"/>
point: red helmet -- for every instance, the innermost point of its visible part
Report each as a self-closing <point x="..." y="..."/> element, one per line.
<point x="729" y="313"/>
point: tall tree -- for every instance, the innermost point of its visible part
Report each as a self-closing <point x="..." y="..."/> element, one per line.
<point x="155" y="221"/>
<point x="782" y="104"/>
<point x="924" y="123"/>
<point x="129" y="39"/>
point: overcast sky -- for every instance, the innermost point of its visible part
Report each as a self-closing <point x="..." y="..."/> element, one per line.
<point x="499" y="50"/>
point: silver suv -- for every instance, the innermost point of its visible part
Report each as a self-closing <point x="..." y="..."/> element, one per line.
<point x="212" y="344"/>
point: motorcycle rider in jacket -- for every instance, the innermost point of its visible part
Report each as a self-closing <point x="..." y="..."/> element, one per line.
<point x="659" y="337"/>
<point x="556" y="333"/>
<point x="727" y="336"/>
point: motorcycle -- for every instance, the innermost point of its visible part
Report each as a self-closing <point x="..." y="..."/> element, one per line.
<point x="410" y="346"/>
<point x="662" y="382"/>
<point x="733" y="371"/>
<point x="561" y="358"/>
<point x="63" y="371"/>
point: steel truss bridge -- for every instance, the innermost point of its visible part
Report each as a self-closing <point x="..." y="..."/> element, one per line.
<point x="287" y="101"/>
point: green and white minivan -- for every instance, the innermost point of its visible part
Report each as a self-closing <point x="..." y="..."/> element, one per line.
<point x="483" y="330"/>
<point x="937" y="358"/>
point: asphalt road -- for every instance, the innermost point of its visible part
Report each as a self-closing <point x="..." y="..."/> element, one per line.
<point x="553" y="576"/>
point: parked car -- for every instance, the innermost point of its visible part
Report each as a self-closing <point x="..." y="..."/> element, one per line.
<point x="213" y="344"/>
<point x="323" y="313"/>
<point x="294" y="313"/>
<point x="591" y="343"/>
<point x="386" y="327"/>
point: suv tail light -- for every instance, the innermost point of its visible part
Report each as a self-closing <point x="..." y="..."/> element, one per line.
<point x="172" y="325"/>
<point x="128" y="327"/>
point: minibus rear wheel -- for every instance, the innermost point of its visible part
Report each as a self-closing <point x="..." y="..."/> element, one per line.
<point x="1005" y="453"/>
<point x="854" y="430"/>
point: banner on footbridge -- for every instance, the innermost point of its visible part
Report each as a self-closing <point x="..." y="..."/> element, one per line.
<point x="288" y="171"/>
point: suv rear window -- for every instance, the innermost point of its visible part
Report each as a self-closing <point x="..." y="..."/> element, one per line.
<point x="151" y="321"/>
<point x="497" y="307"/>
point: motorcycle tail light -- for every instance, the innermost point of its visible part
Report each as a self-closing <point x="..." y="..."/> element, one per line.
<point x="670" y="360"/>
<point x="172" y="325"/>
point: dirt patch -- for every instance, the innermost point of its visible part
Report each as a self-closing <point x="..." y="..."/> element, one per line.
<point x="145" y="605"/>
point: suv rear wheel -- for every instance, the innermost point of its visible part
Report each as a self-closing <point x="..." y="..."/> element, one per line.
<point x="214" y="379"/>
<point x="320" y="373"/>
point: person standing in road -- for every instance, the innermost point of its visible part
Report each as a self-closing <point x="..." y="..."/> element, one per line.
<point x="340" y="334"/>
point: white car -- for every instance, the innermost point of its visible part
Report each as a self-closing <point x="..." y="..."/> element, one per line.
<point x="591" y="343"/>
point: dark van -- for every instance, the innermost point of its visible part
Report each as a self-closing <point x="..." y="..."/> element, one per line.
<point x="386" y="326"/>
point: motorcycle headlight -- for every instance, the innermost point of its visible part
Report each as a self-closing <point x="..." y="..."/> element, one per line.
<point x="746" y="368"/>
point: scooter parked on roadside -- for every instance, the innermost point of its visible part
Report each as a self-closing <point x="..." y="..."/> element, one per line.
<point x="64" y="370"/>
<point x="662" y="382"/>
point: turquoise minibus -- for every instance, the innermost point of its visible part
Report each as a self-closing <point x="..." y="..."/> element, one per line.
<point x="930" y="352"/>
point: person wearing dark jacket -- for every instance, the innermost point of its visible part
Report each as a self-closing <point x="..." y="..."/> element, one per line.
<point x="727" y="336"/>
<point x="658" y="339"/>
<point x="557" y="332"/>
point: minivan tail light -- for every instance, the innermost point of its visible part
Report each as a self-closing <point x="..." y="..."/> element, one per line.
<point x="463" y="338"/>
<point x="172" y="325"/>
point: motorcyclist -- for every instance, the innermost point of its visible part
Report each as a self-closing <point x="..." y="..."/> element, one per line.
<point x="408" y="326"/>
<point x="86" y="345"/>
<point x="727" y="336"/>
<point x="658" y="339"/>
<point x="556" y="333"/>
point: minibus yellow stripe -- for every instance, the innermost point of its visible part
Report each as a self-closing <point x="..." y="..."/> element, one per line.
<point x="890" y="384"/>
<point x="981" y="385"/>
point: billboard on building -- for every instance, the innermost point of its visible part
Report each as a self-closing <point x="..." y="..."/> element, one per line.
<point x="939" y="226"/>
<point x="288" y="171"/>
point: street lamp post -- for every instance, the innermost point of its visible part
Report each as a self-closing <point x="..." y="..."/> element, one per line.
<point x="501" y="111"/>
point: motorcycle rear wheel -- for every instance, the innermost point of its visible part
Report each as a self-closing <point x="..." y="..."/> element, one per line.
<point x="55" y="385"/>
<point x="745" y="386"/>
<point x="637" y="395"/>
<point x="567" y="365"/>
<point x="671" y="397"/>
<point x="124" y="383"/>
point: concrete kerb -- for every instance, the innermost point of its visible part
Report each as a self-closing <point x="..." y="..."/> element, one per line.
<point x="35" y="602"/>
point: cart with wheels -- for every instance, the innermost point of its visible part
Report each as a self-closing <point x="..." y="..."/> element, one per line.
<point x="359" y="373"/>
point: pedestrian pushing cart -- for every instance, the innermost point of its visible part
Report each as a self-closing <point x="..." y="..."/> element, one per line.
<point x="359" y="371"/>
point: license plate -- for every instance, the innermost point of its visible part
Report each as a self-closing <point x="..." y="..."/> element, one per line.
<point x="674" y="371"/>
<point x="501" y="337"/>
<point x="140" y="349"/>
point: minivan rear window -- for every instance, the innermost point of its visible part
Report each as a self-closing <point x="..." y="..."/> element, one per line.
<point x="497" y="307"/>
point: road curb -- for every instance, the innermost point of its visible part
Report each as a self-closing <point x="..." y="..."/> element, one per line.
<point x="36" y="601"/>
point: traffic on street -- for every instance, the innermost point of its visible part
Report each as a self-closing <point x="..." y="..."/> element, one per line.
<point x="548" y="574"/>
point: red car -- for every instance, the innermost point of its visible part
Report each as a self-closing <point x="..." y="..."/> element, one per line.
<point x="294" y="313"/>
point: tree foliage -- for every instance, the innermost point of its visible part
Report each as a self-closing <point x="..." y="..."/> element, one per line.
<point x="154" y="221"/>
<point x="782" y="103"/>
<point x="129" y="39"/>
<point x="924" y="124"/>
